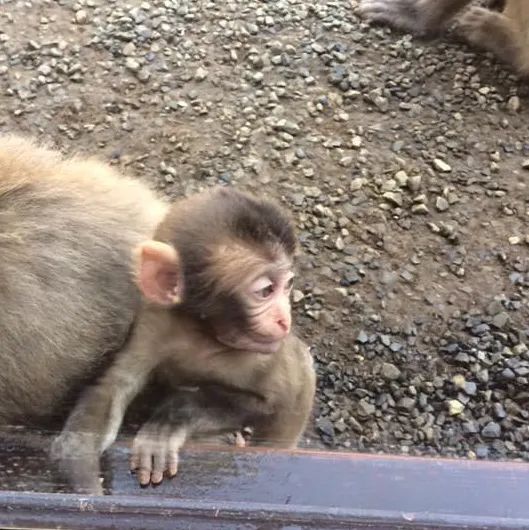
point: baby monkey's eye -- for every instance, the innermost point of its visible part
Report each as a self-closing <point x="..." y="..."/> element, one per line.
<point x="266" y="292"/>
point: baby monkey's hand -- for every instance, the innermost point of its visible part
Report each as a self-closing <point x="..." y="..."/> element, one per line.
<point x="155" y="452"/>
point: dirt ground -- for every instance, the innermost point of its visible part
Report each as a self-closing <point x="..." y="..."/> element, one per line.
<point x="405" y="164"/>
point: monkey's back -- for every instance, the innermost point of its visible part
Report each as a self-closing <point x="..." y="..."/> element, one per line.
<point x="67" y="229"/>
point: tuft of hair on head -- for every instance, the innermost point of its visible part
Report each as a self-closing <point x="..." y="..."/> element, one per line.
<point x="226" y="214"/>
<point x="258" y="221"/>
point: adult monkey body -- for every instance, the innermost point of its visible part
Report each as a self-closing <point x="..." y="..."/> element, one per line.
<point x="505" y="33"/>
<point x="216" y="280"/>
<point x="67" y="298"/>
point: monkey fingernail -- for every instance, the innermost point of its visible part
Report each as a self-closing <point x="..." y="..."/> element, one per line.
<point x="144" y="477"/>
<point x="156" y="477"/>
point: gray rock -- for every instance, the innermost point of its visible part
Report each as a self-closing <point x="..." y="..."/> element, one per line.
<point x="470" y="388"/>
<point x="499" y="411"/>
<point x="406" y="404"/>
<point x="414" y="183"/>
<point x="389" y="372"/>
<point x="420" y="209"/>
<point x="129" y="49"/>
<point x="441" y="204"/>
<point x="500" y="320"/>
<point x="350" y="277"/>
<point x="318" y="48"/>
<point x="394" y="198"/>
<point x="201" y="74"/>
<point x="365" y="408"/>
<point x="325" y="426"/>
<point x="81" y="16"/>
<point x="482" y="451"/>
<point x="132" y="64"/>
<point x="362" y="337"/>
<point x="513" y="104"/>
<point x="441" y="166"/>
<point x="455" y="407"/>
<point x="491" y="430"/>
<point x="470" y="427"/>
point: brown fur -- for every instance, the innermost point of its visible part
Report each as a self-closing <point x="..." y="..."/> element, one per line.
<point x="505" y="33"/>
<point x="272" y="393"/>
<point x="67" y="227"/>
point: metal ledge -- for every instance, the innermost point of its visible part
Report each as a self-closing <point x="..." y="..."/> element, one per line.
<point x="260" y="489"/>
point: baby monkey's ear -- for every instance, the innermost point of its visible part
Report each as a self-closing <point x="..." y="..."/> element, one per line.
<point x="158" y="273"/>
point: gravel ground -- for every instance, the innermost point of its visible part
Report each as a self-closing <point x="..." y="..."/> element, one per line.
<point x="405" y="164"/>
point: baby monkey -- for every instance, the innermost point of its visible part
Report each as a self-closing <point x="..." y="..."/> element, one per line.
<point x="504" y="33"/>
<point x="215" y="325"/>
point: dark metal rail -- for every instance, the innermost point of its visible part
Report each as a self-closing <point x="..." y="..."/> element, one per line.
<point x="251" y="489"/>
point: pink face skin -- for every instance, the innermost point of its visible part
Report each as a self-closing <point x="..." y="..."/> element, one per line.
<point x="268" y="305"/>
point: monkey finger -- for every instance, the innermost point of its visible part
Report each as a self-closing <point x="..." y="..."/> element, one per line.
<point x="144" y="476"/>
<point x="161" y="454"/>
<point x="143" y="443"/>
<point x="159" y="460"/>
<point x="156" y="477"/>
<point x="172" y="462"/>
<point x="239" y="440"/>
<point x="176" y="441"/>
<point x="135" y="458"/>
<point x="145" y="466"/>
